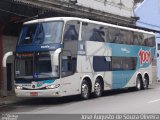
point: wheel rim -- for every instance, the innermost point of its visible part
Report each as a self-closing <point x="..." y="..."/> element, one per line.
<point x="138" y="84"/>
<point x="97" y="89"/>
<point x="145" y="83"/>
<point x="85" y="90"/>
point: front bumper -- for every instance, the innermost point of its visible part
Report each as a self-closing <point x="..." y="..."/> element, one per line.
<point x="38" y="93"/>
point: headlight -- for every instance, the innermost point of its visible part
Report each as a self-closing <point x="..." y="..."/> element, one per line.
<point x="18" y="87"/>
<point x="53" y="86"/>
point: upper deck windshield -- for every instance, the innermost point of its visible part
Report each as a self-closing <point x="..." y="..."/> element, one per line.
<point x="41" y="33"/>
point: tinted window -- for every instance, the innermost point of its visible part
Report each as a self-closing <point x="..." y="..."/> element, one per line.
<point x="129" y="63"/>
<point x="149" y="40"/>
<point x="71" y="30"/>
<point x="123" y="63"/>
<point x="113" y="35"/>
<point x="129" y="37"/>
<point x="93" y="32"/>
<point x="158" y="46"/>
<point x="101" y="63"/>
<point x="27" y="34"/>
<point x="126" y="37"/>
<point x="144" y="39"/>
<point x="99" y="33"/>
<point x="41" y="33"/>
<point x="135" y="39"/>
<point x="49" y="32"/>
<point x="117" y="64"/>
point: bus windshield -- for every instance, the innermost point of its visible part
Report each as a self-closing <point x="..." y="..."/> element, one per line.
<point x="41" y="33"/>
<point x="37" y="65"/>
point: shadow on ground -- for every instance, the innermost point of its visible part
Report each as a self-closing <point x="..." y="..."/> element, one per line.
<point x="71" y="99"/>
<point x="33" y="103"/>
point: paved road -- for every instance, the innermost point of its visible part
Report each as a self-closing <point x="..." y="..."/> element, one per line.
<point x="119" y="101"/>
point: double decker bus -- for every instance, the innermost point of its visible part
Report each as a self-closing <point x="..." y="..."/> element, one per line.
<point x="65" y="56"/>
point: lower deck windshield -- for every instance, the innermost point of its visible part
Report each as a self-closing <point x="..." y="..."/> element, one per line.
<point x="37" y="66"/>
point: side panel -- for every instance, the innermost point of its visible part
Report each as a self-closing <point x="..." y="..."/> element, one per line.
<point x="71" y="85"/>
<point x="121" y="78"/>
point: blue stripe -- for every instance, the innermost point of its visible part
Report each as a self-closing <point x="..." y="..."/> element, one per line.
<point x="23" y="81"/>
<point x="36" y="48"/>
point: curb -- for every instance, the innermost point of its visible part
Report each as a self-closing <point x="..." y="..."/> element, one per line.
<point x="5" y="102"/>
<point x="10" y="100"/>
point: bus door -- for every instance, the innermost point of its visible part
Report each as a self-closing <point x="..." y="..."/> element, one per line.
<point x="67" y="71"/>
<point x="69" y="57"/>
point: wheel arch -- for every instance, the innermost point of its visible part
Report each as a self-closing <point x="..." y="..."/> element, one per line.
<point x="88" y="79"/>
<point x="140" y="76"/>
<point x="101" y="79"/>
<point x="146" y="75"/>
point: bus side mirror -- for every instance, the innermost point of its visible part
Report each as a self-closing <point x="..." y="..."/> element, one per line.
<point x="157" y="55"/>
<point x="56" y="57"/>
<point x="5" y="57"/>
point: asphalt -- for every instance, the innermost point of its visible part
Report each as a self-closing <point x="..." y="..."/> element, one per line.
<point x="11" y="99"/>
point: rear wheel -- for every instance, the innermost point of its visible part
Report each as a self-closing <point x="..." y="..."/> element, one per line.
<point x="85" y="90"/>
<point x="98" y="88"/>
<point x="138" y="83"/>
<point x="145" y="83"/>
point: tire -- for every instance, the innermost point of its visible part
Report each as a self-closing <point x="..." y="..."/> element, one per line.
<point x="98" y="88"/>
<point x="145" y="83"/>
<point x="138" y="84"/>
<point x="85" y="90"/>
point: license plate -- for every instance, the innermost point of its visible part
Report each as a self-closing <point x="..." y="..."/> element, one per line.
<point x="33" y="93"/>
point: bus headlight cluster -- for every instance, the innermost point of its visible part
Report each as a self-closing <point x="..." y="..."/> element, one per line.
<point x="53" y="86"/>
<point x="18" y="87"/>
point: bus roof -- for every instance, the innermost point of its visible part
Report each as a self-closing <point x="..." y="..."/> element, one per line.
<point x="89" y="21"/>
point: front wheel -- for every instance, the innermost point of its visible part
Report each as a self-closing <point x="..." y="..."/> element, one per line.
<point x="85" y="90"/>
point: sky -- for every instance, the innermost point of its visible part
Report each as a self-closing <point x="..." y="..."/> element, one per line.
<point x="149" y="13"/>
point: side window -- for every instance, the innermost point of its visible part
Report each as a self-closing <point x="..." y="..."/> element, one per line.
<point x="138" y="38"/>
<point x="130" y="37"/>
<point x="68" y="64"/>
<point x="135" y="40"/>
<point x="158" y="46"/>
<point x="93" y="32"/>
<point x="117" y="64"/>
<point x="141" y="38"/>
<point x="113" y="35"/>
<point x="71" y="31"/>
<point x="129" y="63"/>
<point x="123" y="37"/>
<point x="123" y="63"/>
<point x="101" y="63"/>
<point x="149" y="40"/>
